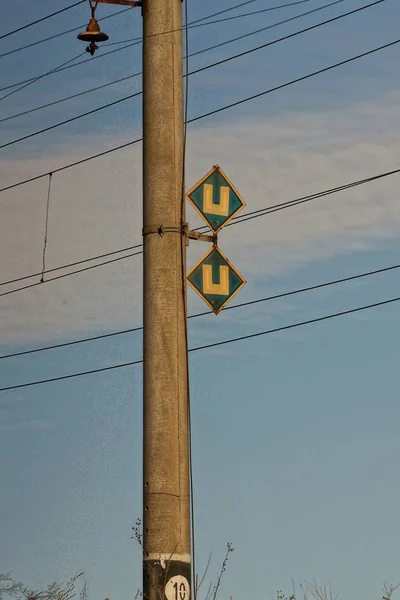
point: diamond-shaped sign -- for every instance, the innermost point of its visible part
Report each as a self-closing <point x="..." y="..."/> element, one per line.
<point x="215" y="280"/>
<point x="216" y="199"/>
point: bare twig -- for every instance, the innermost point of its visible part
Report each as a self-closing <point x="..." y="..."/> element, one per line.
<point x="209" y="591"/>
<point x="84" y="594"/>
<point x="10" y="587"/>
<point x="223" y="569"/>
<point x="388" y="590"/>
<point x="319" y="592"/>
<point x="205" y="572"/>
<point x="137" y="533"/>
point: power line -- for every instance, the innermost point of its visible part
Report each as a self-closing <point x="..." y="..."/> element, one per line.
<point x="102" y="264"/>
<point x="215" y="46"/>
<point x="199" y="70"/>
<point x="138" y="40"/>
<point x="31" y="81"/>
<point x="73" y="264"/>
<point x="73" y="343"/>
<point x="59" y="69"/>
<point x="279" y="296"/>
<point x="221" y="12"/>
<point x="70" y="120"/>
<point x="40" y="20"/>
<point x="294" y="325"/>
<point x="195" y="24"/>
<point x="290" y="35"/>
<point x="204" y="115"/>
<point x="55" y="102"/>
<point x="22" y="385"/>
<point x="212" y="345"/>
<point x="289" y="204"/>
<point x="280" y="87"/>
<point x="57" y="35"/>
<point x="183" y="291"/>
<point x="235" y="221"/>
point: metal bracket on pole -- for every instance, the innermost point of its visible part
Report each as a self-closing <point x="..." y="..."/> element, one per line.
<point x="202" y="237"/>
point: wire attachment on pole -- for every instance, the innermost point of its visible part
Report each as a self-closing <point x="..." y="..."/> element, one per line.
<point x="46" y="229"/>
<point x="162" y="229"/>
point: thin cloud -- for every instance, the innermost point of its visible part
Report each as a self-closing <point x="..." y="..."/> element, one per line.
<point x="96" y="208"/>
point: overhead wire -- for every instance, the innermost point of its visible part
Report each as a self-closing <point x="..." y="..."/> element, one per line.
<point x="183" y="291"/>
<point x="23" y="27"/>
<point x="70" y="120"/>
<point x="308" y="198"/>
<point x="138" y="40"/>
<point x="35" y="79"/>
<point x="290" y="36"/>
<point x="205" y="115"/>
<point x="292" y="82"/>
<point x="214" y="344"/>
<point x="25" y="82"/>
<point x="262" y="300"/>
<point x="46" y="230"/>
<point x="235" y="221"/>
<point x="57" y="35"/>
<point x="198" y="52"/>
<point x="221" y="12"/>
<point x="102" y="264"/>
<point x="73" y="264"/>
<point x="196" y="71"/>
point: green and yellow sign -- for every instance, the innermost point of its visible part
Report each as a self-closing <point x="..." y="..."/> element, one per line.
<point x="216" y="199"/>
<point x="215" y="280"/>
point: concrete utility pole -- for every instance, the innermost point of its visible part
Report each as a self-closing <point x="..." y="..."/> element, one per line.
<point x="166" y="485"/>
<point x="166" y="468"/>
<point x="166" y="536"/>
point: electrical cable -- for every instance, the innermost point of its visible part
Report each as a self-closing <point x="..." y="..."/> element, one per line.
<point x="46" y="229"/>
<point x="73" y="264"/>
<point x="221" y="12"/>
<point x="205" y="115"/>
<point x="63" y="67"/>
<point x="57" y="35"/>
<point x="184" y="298"/>
<point x="203" y="50"/>
<point x="32" y="285"/>
<point x="70" y="120"/>
<point x="199" y="70"/>
<point x="235" y="221"/>
<point x="35" y="79"/>
<point x="289" y="36"/>
<point x="304" y="199"/>
<point x="279" y="296"/>
<point x="139" y="40"/>
<point x="243" y="15"/>
<point x="214" y="344"/>
<point x="65" y="99"/>
<point x="284" y="85"/>
<point x="4" y="35"/>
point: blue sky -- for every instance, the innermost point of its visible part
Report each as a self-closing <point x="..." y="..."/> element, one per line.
<point x="295" y="434"/>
